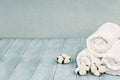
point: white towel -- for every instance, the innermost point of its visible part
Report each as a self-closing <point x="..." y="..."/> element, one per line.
<point x="89" y="61"/>
<point x="102" y="40"/>
<point x="83" y="58"/>
<point x="112" y="59"/>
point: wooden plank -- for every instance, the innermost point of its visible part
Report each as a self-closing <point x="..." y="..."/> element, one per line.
<point x="11" y="58"/>
<point x="4" y="45"/>
<point x="66" y="71"/>
<point x="48" y="63"/>
<point x="109" y="77"/>
<point x="29" y="61"/>
<point x="89" y="76"/>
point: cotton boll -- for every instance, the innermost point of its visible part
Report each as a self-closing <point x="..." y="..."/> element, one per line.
<point x="102" y="69"/>
<point x="93" y="68"/>
<point x="77" y="70"/>
<point x="99" y="63"/>
<point x="82" y="72"/>
<point x="96" y="73"/>
<point x="87" y="68"/>
<point x="60" y="59"/>
<point x="63" y="59"/>
<point x="67" y="60"/>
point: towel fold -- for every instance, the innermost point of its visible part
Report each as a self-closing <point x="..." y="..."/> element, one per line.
<point x="103" y="51"/>
<point x="112" y="59"/>
<point x="88" y="61"/>
<point x="102" y="40"/>
<point x="83" y="58"/>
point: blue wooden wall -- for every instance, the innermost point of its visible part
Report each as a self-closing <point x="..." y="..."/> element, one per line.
<point x="55" y="18"/>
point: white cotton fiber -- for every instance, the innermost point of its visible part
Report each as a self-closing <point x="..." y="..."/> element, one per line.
<point x="102" y="69"/>
<point x="63" y="59"/>
<point x="96" y="73"/>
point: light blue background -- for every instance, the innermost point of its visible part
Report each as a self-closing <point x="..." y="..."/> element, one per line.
<point x="55" y="18"/>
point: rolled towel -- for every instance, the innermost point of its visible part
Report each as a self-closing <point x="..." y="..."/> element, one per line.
<point x="102" y="40"/>
<point x="112" y="59"/>
<point x="83" y="58"/>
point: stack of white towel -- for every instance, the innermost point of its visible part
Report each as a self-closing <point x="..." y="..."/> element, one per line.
<point x="102" y="54"/>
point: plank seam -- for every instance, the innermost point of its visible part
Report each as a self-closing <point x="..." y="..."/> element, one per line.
<point x="9" y="45"/>
<point x="20" y="59"/>
<point x="45" y="47"/>
<point x="75" y="59"/>
<point x="57" y="64"/>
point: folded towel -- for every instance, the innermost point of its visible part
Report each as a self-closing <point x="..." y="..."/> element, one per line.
<point x="83" y="58"/>
<point x="113" y="72"/>
<point x="112" y="59"/>
<point x="102" y="40"/>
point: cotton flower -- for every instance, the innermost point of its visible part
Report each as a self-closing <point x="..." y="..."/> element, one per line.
<point x="63" y="59"/>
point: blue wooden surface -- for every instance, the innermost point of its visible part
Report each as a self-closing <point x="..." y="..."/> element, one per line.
<point x="35" y="59"/>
